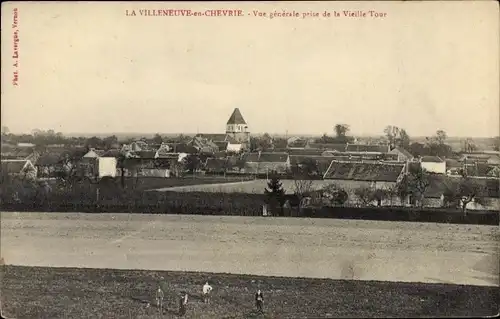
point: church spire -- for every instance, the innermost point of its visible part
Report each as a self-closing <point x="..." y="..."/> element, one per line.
<point x="236" y="118"/>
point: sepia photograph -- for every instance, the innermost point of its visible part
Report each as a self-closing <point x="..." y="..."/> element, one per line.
<point x="280" y="159"/>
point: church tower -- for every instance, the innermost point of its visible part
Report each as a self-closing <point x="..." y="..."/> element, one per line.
<point x="237" y="128"/>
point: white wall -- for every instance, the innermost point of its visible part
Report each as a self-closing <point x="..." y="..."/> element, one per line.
<point x="107" y="166"/>
<point x="431" y="167"/>
<point x="156" y="172"/>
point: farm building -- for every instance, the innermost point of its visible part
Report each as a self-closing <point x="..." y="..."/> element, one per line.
<point x="296" y="143"/>
<point x="235" y="147"/>
<point x="50" y="163"/>
<point x="362" y="156"/>
<point x="327" y="147"/>
<point x="305" y="152"/>
<point x="19" y="168"/>
<point x="204" y="145"/>
<point x="402" y="154"/>
<point x="351" y="176"/>
<point x="480" y="157"/>
<point x="21" y="153"/>
<point x="222" y="145"/>
<point x="433" y="164"/>
<point x="264" y="163"/>
<point x="440" y="185"/>
<point x="94" y="153"/>
<point x="367" y="148"/>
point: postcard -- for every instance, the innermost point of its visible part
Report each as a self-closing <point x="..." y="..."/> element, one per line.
<point x="280" y="159"/>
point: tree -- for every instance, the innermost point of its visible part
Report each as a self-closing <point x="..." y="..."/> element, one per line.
<point x="280" y="143"/>
<point x="157" y="139"/>
<point x="193" y="163"/>
<point x="340" y="197"/>
<point x="94" y="142"/>
<point x="302" y="189"/>
<point x="418" y="149"/>
<point x="404" y="139"/>
<point x="469" y="146"/>
<point x="274" y="192"/>
<point x="325" y="139"/>
<point x="341" y="130"/>
<point x="335" y="194"/>
<point x="397" y="137"/>
<point x="415" y="184"/>
<point x="496" y="143"/>
<point x="364" y="194"/>
<point x="307" y="167"/>
<point x="379" y="195"/>
<point x="440" y="136"/>
<point x="110" y="142"/>
<point x="261" y="143"/>
<point x="391" y="132"/>
<point x="5" y="130"/>
<point x="469" y="191"/>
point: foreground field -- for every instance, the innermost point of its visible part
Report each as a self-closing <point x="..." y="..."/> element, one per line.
<point x="93" y="293"/>
<point x="314" y="248"/>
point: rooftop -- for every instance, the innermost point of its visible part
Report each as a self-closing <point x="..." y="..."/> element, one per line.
<point x="236" y="117"/>
<point x="380" y="172"/>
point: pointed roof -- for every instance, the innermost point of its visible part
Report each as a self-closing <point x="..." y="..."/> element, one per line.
<point x="236" y="117"/>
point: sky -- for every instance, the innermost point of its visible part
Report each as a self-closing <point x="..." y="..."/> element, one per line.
<point x="87" y="68"/>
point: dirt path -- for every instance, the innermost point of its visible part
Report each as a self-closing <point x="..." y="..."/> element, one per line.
<point x="317" y="248"/>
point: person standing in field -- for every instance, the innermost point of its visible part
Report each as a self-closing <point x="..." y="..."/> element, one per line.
<point x="207" y="289"/>
<point x="259" y="301"/>
<point x="182" y="304"/>
<point x="159" y="298"/>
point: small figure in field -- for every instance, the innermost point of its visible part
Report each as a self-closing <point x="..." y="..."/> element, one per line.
<point x="259" y="301"/>
<point x="206" y="292"/>
<point x="159" y="298"/>
<point x="182" y="304"/>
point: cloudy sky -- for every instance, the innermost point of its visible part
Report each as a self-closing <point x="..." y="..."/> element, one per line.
<point x="89" y="68"/>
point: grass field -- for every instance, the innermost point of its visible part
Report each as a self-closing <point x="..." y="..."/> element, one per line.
<point x="147" y="183"/>
<point x="249" y="187"/>
<point x="32" y="292"/>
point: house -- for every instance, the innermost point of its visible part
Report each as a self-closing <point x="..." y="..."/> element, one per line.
<point x="433" y="164"/>
<point x="93" y="153"/>
<point x="222" y="145"/>
<point x="22" y="153"/>
<point x="183" y="148"/>
<point x="296" y="143"/>
<point x="19" y="168"/>
<point x="235" y="148"/>
<point x="367" y="148"/>
<point x="321" y="162"/>
<point x="362" y="156"/>
<point x="304" y="152"/>
<point x="491" y="158"/>
<point x="106" y="166"/>
<point x="351" y="176"/>
<point x="402" y="154"/>
<point x="26" y="145"/>
<point x="265" y="163"/>
<point x="327" y="146"/>
<point x="116" y="153"/>
<point x="204" y="145"/>
<point x="49" y="163"/>
<point x="439" y="185"/>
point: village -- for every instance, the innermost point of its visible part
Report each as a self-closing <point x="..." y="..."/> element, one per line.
<point x="380" y="173"/>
